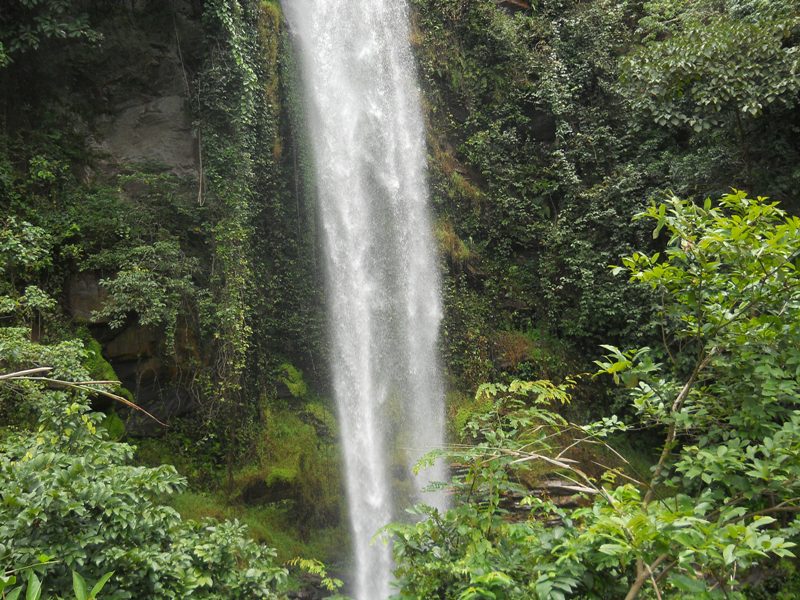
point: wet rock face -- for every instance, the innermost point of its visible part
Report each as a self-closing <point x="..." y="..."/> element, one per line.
<point x="84" y="297"/>
<point x="154" y="131"/>
<point x="166" y="401"/>
<point x="133" y="343"/>
<point x="142" y="84"/>
<point x="137" y="356"/>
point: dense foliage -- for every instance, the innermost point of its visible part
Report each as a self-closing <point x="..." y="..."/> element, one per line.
<point x="720" y="503"/>
<point x="550" y="127"/>
<point x="72" y="495"/>
<point x="197" y="275"/>
<point x="27" y="24"/>
<point x="176" y="251"/>
<point x="550" y="124"/>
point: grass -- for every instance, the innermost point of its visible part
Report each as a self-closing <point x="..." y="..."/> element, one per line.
<point x="272" y="525"/>
<point x="294" y="449"/>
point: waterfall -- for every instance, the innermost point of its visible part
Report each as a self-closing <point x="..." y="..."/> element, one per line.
<point x="383" y="289"/>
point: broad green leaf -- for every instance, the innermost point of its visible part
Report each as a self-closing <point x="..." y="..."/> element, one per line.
<point x="728" y="554"/>
<point x="687" y="584"/>
<point x="612" y="549"/>
<point x="34" y="591"/>
<point x="100" y="585"/>
<point x="79" y="587"/>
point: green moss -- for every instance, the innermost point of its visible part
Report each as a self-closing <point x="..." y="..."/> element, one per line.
<point x="98" y="367"/>
<point x="322" y="418"/>
<point x="269" y="34"/>
<point x="292" y="377"/>
<point x="460" y="186"/>
<point x="278" y="475"/>
<point x="292" y="450"/>
<point x="274" y="525"/>
<point x="293" y="462"/>
<point x="285" y="438"/>
<point x="201" y="505"/>
<point x="452" y="246"/>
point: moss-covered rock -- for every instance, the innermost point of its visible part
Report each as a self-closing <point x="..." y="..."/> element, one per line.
<point x="98" y="367"/>
<point x="296" y="459"/>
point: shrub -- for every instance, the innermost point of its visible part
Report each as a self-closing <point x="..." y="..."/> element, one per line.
<point x="70" y="492"/>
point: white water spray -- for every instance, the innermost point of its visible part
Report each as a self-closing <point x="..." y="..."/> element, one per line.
<point x="383" y="287"/>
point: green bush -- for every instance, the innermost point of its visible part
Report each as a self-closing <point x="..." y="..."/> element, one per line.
<point x="719" y="507"/>
<point x="70" y="492"/>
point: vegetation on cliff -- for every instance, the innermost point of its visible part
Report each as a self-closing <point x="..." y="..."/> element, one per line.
<point x="157" y="228"/>
<point x="722" y="389"/>
<point x="150" y="228"/>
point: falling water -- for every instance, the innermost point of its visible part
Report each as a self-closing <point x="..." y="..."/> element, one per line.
<point x="382" y="283"/>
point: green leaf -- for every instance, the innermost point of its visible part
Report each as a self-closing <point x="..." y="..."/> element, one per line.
<point x="687" y="584"/>
<point x="612" y="549"/>
<point x="79" y="587"/>
<point x="7" y="580"/>
<point x="728" y="554"/>
<point x="761" y="521"/>
<point x="100" y="585"/>
<point x="618" y="366"/>
<point x="34" y="591"/>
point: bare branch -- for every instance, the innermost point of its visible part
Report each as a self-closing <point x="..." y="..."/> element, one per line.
<point x="85" y="386"/>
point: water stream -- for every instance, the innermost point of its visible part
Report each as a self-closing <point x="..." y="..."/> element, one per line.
<point x="383" y="293"/>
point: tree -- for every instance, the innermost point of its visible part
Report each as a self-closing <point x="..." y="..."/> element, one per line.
<point x="24" y="24"/>
<point x="714" y="64"/>
<point x="723" y="391"/>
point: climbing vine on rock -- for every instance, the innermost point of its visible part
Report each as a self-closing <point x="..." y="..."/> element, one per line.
<point x="226" y="96"/>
